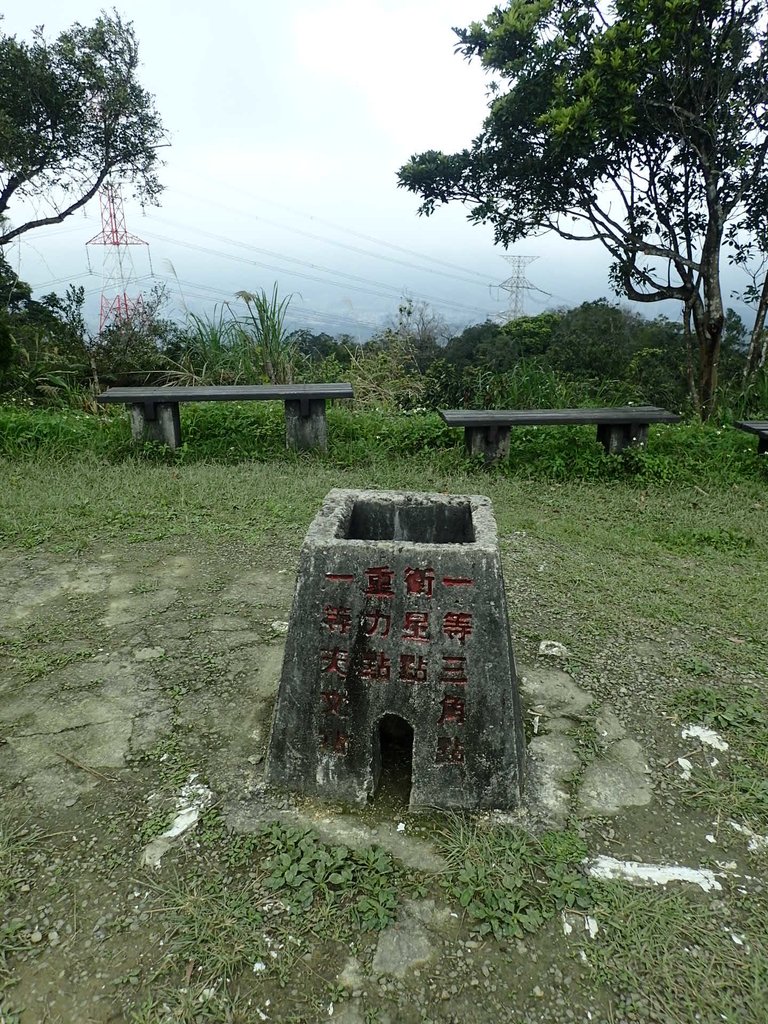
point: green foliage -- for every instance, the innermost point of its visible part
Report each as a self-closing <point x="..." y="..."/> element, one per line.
<point x="528" y="385"/>
<point x="231" y="432"/>
<point x="72" y="112"/>
<point x="639" y="125"/>
<point x="309" y="875"/>
<point x="696" y="540"/>
<point x="509" y="882"/>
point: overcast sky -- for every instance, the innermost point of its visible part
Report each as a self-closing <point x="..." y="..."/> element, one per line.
<point x="288" y="122"/>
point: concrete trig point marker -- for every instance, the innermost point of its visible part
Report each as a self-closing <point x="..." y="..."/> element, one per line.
<point x="400" y="610"/>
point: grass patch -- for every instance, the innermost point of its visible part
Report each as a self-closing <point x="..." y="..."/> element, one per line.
<point x="240" y="915"/>
<point x="231" y="432"/>
<point x="741" y="787"/>
<point x="509" y="882"/>
<point x="673" y="958"/>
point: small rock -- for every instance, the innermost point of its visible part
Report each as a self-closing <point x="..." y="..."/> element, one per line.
<point x="36" y="936"/>
<point x="53" y="938"/>
<point x="553" y="649"/>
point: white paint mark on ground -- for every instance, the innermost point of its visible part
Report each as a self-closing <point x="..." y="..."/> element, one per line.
<point x="757" y="843"/>
<point x="608" y="868"/>
<point x="192" y="799"/>
<point x="706" y="736"/>
<point x="571" y="921"/>
<point x="687" y="768"/>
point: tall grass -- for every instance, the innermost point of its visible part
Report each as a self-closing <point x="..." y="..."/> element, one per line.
<point x="264" y="334"/>
<point x="529" y="385"/>
<point x="212" y="352"/>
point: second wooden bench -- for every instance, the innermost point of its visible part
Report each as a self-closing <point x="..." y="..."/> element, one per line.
<point x="486" y="431"/>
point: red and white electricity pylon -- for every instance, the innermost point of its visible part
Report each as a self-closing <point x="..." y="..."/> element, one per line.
<point x="118" y="269"/>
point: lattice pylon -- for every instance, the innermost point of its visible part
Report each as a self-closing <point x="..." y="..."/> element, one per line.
<point x="517" y="285"/>
<point x="118" y="269"/>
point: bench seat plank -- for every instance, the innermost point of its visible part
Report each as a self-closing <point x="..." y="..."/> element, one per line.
<point x="226" y="393"/>
<point x="544" y="417"/>
<point x="759" y="427"/>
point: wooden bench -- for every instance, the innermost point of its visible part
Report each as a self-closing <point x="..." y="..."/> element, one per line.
<point x="154" y="411"/>
<point x="486" y="431"/>
<point x="759" y="427"/>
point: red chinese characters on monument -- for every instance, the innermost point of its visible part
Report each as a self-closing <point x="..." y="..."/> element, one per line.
<point x="337" y="619"/>
<point x="380" y="579"/>
<point x="335" y="702"/>
<point x="457" y="625"/>
<point x="377" y="623"/>
<point x="380" y="583"/>
<point x="450" y="750"/>
<point x="334" y="742"/>
<point x="413" y="668"/>
<point x="453" y="711"/>
<point x="416" y="627"/>
<point x="419" y="581"/>
<point x="334" y="661"/>
<point x="454" y="670"/>
<point x="375" y="665"/>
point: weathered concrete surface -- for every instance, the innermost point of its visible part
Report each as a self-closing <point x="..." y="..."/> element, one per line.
<point x="621" y="779"/>
<point x="304" y="433"/>
<point x="553" y="762"/>
<point x="563" y="776"/>
<point x="554" y="692"/>
<point x="400" y="615"/>
<point x="163" y="428"/>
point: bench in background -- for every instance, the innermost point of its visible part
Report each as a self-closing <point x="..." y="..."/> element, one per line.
<point x="759" y="427"/>
<point x="154" y="411"/>
<point x="486" y="431"/>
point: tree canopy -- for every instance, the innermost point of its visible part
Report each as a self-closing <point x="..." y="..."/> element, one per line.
<point x="641" y="124"/>
<point x="72" y="111"/>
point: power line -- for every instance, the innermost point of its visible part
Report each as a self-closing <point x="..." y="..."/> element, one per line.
<point x="353" y="233"/>
<point x="350" y="281"/>
<point x="330" y="241"/>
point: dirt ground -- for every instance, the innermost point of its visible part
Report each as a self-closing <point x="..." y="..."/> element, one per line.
<point x="132" y="670"/>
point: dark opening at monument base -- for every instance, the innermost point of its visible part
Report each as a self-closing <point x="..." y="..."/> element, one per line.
<point x="392" y="760"/>
<point x="415" y="522"/>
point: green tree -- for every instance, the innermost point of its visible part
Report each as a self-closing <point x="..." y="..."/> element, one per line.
<point x="71" y="112"/>
<point x="640" y="124"/>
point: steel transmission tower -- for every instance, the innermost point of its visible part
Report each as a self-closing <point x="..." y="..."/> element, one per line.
<point x="118" y="270"/>
<point x="517" y="284"/>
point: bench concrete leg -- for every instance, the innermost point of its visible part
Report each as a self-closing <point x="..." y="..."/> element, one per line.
<point x="157" y="421"/>
<point x="306" y="427"/>
<point x="490" y="442"/>
<point x="615" y="437"/>
<point x="762" y="444"/>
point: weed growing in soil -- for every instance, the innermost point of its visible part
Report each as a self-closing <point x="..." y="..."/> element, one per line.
<point x="332" y="881"/>
<point x="742" y="716"/>
<point x="508" y="881"/>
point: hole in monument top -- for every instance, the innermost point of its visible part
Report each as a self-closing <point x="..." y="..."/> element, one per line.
<point x="393" y="762"/>
<point x="434" y="523"/>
